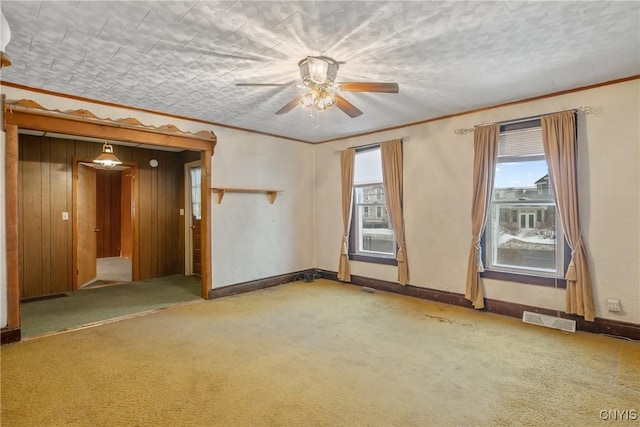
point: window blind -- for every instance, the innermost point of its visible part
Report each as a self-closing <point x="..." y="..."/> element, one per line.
<point x="523" y="144"/>
<point x="368" y="167"/>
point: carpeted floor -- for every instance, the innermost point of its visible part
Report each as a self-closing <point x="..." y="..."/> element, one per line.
<point x="96" y="303"/>
<point x="318" y="354"/>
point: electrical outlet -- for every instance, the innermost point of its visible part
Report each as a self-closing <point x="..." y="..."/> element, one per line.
<point x="613" y="304"/>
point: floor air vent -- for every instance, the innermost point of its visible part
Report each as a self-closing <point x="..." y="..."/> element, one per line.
<point x="549" y="321"/>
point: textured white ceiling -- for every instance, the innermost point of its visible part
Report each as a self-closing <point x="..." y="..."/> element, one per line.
<point x="185" y="57"/>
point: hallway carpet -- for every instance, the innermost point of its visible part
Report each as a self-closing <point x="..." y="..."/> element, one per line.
<point x="318" y="354"/>
<point x="96" y="304"/>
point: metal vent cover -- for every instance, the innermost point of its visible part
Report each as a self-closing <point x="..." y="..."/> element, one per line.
<point x="549" y="321"/>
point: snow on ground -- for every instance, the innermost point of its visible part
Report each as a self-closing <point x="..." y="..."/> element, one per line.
<point x="523" y="241"/>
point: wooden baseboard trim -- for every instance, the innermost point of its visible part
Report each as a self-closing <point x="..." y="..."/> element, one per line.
<point x="8" y="336"/>
<point x="255" y="285"/>
<point x="599" y="326"/>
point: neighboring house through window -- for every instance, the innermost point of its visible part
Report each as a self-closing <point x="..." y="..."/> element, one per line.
<point x="371" y="237"/>
<point x="522" y="235"/>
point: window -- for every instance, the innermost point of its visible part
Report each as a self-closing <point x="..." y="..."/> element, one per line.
<point x="195" y="191"/>
<point x="522" y="236"/>
<point x="372" y="238"/>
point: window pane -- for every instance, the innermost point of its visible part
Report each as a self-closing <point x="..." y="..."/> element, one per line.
<point x="195" y="191"/>
<point x="377" y="235"/>
<point x="524" y="243"/>
<point x="374" y="231"/>
<point x="521" y="180"/>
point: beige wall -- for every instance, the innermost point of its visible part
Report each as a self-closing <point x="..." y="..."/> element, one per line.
<point x="253" y="239"/>
<point x="437" y="200"/>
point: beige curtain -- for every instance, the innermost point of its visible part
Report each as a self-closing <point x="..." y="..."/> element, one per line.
<point x="559" y="139"/>
<point x="347" y="160"/>
<point x="484" y="165"/>
<point x="391" y="153"/>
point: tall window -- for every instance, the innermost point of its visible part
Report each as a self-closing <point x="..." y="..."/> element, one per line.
<point x="522" y="235"/>
<point x="372" y="234"/>
<point x="195" y="191"/>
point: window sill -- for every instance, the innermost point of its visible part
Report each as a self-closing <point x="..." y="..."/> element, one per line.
<point x="373" y="259"/>
<point x="552" y="282"/>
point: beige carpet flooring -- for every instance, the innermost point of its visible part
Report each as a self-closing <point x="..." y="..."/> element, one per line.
<point x="318" y="354"/>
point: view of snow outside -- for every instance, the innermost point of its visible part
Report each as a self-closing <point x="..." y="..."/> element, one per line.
<point x="524" y="233"/>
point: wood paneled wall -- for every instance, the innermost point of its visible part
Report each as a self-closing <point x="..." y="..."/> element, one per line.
<point x="45" y="192"/>
<point x="108" y="212"/>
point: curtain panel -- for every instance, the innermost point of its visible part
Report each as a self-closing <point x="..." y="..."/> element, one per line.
<point x="485" y="140"/>
<point x="391" y="153"/>
<point x="347" y="162"/>
<point x="559" y="140"/>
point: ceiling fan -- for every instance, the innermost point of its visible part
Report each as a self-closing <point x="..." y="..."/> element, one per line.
<point x="318" y="76"/>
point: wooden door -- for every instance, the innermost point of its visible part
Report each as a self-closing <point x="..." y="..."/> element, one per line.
<point x="195" y="227"/>
<point x="108" y="212"/>
<point x="86" y="214"/>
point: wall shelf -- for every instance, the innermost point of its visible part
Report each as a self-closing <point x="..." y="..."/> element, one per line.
<point x="271" y="194"/>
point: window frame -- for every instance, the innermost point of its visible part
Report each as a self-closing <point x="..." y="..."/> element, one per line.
<point x="526" y="276"/>
<point x="354" y="254"/>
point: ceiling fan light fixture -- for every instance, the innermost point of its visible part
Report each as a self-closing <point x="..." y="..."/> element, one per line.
<point x="325" y="100"/>
<point x="318" y="71"/>
<point x="107" y="158"/>
<point x="309" y="99"/>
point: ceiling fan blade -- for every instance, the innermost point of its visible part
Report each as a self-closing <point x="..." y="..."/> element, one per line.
<point x="268" y="84"/>
<point x="369" y="87"/>
<point x="290" y="106"/>
<point x="347" y="107"/>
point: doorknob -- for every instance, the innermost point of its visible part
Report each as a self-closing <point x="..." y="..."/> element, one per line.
<point x="96" y="230"/>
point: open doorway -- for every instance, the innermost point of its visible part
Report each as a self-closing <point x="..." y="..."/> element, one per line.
<point x="104" y="230"/>
<point x="51" y="266"/>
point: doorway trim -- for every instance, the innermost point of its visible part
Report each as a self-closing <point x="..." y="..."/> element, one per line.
<point x="27" y="114"/>
<point x="135" y="259"/>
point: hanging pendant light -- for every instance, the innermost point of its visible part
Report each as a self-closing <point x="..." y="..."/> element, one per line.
<point x="107" y="158"/>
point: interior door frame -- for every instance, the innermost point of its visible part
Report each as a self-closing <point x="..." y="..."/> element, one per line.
<point x="32" y="116"/>
<point x="188" y="235"/>
<point x="135" y="259"/>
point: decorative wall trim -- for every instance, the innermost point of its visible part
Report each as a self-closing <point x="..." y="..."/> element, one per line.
<point x="599" y="326"/>
<point x="255" y="285"/>
<point x="8" y="336"/>
<point x="86" y="115"/>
